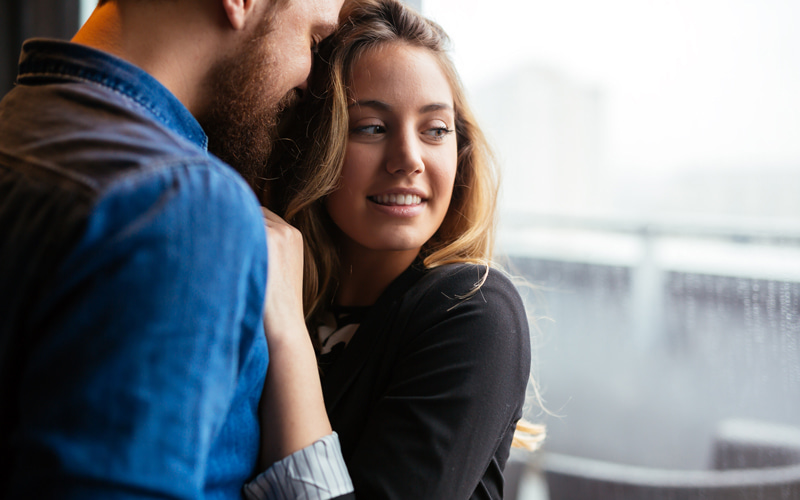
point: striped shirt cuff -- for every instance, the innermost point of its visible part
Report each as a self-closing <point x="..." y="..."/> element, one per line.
<point x="317" y="472"/>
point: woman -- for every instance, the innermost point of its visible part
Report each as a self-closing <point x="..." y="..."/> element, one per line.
<point x="423" y="348"/>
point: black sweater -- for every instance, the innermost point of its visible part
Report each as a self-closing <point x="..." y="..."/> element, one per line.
<point x="426" y="395"/>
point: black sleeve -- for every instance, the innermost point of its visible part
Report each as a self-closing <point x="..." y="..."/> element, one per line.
<point x="455" y="394"/>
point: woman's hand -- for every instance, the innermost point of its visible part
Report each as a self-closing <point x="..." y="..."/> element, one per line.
<point x="292" y="408"/>
<point x="283" y="307"/>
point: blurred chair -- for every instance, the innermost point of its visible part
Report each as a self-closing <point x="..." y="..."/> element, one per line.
<point x="515" y="475"/>
<point x="754" y="444"/>
<point x="751" y="460"/>
<point x="524" y="477"/>
<point x="574" y="478"/>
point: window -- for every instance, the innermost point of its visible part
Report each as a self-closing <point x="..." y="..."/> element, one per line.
<point x="651" y="169"/>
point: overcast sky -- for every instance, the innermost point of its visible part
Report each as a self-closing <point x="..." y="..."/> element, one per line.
<point x="712" y="83"/>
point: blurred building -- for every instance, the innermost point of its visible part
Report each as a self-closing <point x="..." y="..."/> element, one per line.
<point x="547" y="131"/>
<point x="666" y="302"/>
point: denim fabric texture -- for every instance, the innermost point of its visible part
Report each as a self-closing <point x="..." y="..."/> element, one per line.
<point x="132" y="276"/>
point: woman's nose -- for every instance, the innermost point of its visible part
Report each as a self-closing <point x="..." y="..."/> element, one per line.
<point x="405" y="155"/>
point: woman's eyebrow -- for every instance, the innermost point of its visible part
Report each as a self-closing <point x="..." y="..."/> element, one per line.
<point x="435" y="107"/>
<point x="382" y="106"/>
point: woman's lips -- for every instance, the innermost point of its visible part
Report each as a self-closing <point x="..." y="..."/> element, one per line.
<point x="398" y="205"/>
<point x="396" y="199"/>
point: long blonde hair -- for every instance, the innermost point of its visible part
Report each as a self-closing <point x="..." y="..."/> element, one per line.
<point x="308" y="166"/>
<point x="317" y="152"/>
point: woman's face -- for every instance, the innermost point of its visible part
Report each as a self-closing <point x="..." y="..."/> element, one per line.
<point x="401" y="156"/>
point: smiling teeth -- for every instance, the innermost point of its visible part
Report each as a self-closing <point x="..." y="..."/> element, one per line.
<point x="398" y="199"/>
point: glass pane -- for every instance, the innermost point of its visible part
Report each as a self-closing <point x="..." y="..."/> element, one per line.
<point x="651" y="169"/>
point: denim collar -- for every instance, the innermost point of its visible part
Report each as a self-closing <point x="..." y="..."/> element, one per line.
<point x="53" y="60"/>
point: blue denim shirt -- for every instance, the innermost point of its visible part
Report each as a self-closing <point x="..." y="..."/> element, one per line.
<point x="132" y="277"/>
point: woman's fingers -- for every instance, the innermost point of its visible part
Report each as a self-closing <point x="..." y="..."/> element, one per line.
<point x="283" y="311"/>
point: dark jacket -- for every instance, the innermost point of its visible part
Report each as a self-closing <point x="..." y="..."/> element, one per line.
<point x="132" y="278"/>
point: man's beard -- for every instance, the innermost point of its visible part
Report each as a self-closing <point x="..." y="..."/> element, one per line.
<point x="241" y="123"/>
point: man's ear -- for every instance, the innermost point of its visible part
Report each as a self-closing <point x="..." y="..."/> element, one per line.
<point x="238" y="11"/>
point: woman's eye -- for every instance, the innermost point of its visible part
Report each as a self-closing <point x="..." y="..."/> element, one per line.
<point x="438" y="133"/>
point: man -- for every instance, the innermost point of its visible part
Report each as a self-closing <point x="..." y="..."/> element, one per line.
<point x="133" y="264"/>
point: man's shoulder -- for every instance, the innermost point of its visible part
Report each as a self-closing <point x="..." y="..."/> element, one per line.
<point x="79" y="158"/>
<point x="86" y="138"/>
